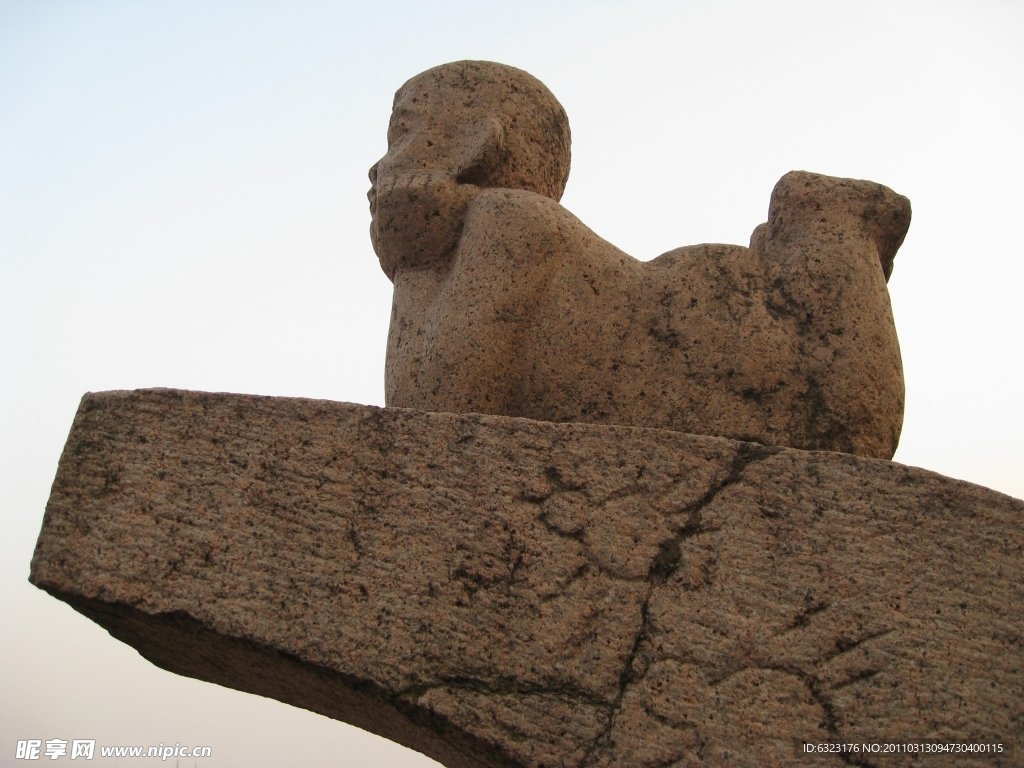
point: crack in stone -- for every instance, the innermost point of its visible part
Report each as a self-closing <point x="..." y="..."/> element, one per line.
<point x="661" y="569"/>
<point x="846" y="646"/>
<point x="576" y="535"/>
<point x="867" y="674"/>
<point x="831" y="725"/>
<point x="564" y="585"/>
<point x="559" y="483"/>
<point x="814" y="687"/>
<point x="804" y="617"/>
<point x="747" y="454"/>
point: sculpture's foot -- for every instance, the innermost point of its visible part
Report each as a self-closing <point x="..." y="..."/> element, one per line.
<point x="810" y="200"/>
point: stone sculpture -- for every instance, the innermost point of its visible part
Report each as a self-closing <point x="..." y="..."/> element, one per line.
<point x="505" y="303"/>
<point x="503" y="592"/>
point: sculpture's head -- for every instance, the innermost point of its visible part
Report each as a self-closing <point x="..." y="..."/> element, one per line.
<point x="456" y="129"/>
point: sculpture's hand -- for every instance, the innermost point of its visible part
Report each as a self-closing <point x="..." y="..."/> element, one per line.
<point x="417" y="216"/>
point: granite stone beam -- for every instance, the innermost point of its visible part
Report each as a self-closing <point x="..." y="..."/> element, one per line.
<point x="497" y="591"/>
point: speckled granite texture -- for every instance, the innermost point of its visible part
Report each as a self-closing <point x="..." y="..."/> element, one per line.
<point x="505" y="303"/>
<point x="497" y="591"/>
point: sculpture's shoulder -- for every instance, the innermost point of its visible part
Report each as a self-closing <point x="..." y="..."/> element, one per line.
<point x="522" y="225"/>
<point x="518" y="205"/>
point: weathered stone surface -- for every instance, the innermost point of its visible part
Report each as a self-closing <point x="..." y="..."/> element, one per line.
<point x="506" y="303"/>
<point x="502" y="592"/>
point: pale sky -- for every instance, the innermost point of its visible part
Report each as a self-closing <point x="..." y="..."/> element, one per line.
<point x="182" y="204"/>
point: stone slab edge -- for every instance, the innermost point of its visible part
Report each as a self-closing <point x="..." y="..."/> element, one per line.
<point x="497" y="591"/>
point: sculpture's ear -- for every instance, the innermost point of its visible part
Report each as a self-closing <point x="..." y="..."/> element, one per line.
<point x="481" y="153"/>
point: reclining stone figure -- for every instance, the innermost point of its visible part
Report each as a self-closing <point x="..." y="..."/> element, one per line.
<point x="505" y="303"/>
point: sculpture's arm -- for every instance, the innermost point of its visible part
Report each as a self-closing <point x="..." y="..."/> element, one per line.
<point x="461" y="348"/>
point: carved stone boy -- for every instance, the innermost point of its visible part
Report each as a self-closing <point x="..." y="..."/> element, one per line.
<point x="505" y="303"/>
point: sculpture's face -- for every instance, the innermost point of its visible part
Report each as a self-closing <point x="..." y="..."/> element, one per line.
<point x="416" y="203"/>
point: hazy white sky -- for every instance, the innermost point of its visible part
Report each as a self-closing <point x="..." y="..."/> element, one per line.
<point x="182" y="204"/>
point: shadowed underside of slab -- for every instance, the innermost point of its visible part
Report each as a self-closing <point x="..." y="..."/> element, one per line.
<point x="503" y="592"/>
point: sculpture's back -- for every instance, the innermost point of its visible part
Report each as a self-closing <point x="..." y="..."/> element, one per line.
<point x="505" y="303"/>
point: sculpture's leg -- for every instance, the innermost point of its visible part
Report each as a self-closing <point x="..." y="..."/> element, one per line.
<point x="828" y="248"/>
